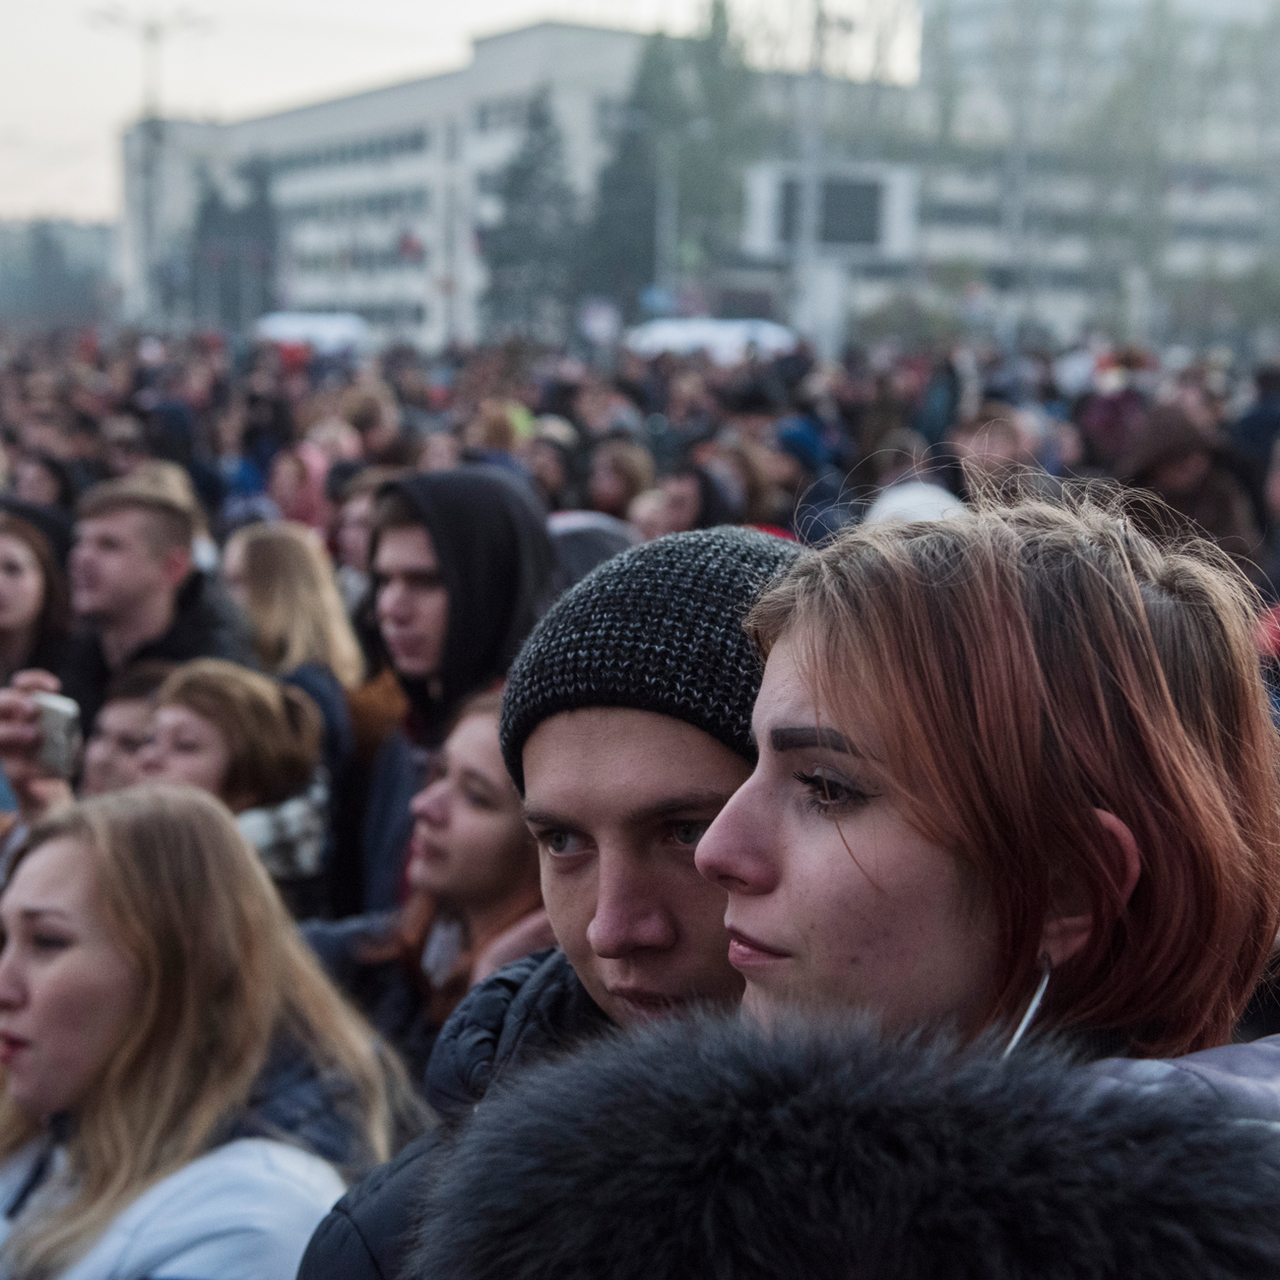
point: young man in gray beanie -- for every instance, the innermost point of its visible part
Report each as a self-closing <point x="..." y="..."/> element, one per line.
<point x="626" y="727"/>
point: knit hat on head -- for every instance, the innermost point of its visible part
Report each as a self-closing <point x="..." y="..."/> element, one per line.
<point x="658" y="628"/>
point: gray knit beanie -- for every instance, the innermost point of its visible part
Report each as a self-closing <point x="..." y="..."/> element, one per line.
<point x="658" y="628"/>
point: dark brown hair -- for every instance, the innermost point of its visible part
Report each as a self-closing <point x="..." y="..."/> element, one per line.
<point x="1015" y="669"/>
<point x="55" y="611"/>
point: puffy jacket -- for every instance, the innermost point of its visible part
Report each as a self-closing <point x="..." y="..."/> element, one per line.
<point x="530" y="1009"/>
<point x="244" y="1211"/>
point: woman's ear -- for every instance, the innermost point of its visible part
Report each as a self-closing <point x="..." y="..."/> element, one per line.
<point x="1066" y="935"/>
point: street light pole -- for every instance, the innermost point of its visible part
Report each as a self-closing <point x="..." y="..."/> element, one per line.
<point x="666" y="230"/>
<point x="808" y="206"/>
<point x="151" y="31"/>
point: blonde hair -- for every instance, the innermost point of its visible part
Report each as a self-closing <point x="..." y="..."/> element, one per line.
<point x="224" y="975"/>
<point x="294" y="607"/>
<point x="273" y="731"/>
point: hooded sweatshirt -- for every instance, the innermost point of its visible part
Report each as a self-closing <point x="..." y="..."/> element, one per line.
<point x="499" y="568"/>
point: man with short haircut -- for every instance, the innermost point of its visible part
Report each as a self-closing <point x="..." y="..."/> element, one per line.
<point x="136" y="593"/>
<point x="626" y="726"/>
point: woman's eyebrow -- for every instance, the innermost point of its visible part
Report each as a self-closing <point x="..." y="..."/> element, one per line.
<point x="809" y="736"/>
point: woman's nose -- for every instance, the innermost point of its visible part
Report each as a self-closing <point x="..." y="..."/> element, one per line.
<point x="12" y="988"/>
<point x="431" y="804"/>
<point x="734" y="851"/>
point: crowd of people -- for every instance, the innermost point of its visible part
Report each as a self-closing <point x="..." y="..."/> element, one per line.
<point x="679" y="820"/>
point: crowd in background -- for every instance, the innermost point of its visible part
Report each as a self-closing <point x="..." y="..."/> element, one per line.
<point x="663" y="444"/>
<point x="296" y="582"/>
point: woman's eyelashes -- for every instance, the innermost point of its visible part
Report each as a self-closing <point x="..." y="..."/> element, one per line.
<point x="829" y="793"/>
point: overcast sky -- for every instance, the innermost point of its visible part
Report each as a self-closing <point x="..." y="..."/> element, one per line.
<point x="69" y="83"/>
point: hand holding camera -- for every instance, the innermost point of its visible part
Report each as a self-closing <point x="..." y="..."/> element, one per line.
<point x="39" y="741"/>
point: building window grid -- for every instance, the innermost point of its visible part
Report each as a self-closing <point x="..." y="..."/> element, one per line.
<point x="383" y="204"/>
<point x="501" y="113"/>
<point x="366" y="260"/>
<point x="363" y="151"/>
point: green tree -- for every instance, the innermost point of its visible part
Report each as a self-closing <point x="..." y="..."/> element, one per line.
<point x="619" y="245"/>
<point x="530" y="252"/>
<point x="725" y="130"/>
<point x="696" y="99"/>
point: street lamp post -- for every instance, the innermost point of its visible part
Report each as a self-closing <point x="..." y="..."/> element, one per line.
<point x="151" y="30"/>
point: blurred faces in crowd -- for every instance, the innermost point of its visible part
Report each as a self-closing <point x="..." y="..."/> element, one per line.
<point x="122" y="561"/>
<point x="186" y="747"/>
<point x="471" y="850"/>
<point x="412" y="601"/>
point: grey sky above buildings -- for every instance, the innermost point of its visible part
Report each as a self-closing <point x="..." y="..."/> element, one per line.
<point x="69" y="84"/>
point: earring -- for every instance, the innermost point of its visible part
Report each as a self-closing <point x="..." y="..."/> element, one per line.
<point x="1046" y="968"/>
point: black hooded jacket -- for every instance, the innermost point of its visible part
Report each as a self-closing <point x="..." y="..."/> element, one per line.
<point x="531" y="1009"/>
<point x="705" y="1147"/>
<point x="499" y="568"/>
<point x="205" y="625"/>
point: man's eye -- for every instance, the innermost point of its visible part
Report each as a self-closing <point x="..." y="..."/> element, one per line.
<point x="561" y="844"/>
<point x="689" y="832"/>
<point x="48" y="941"/>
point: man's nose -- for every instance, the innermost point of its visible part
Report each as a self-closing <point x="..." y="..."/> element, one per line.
<point x="391" y="599"/>
<point x="631" y="913"/>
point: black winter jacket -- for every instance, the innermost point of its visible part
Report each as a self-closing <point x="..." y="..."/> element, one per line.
<point x="533" y="1008"/>
<point x="206" y="625"/>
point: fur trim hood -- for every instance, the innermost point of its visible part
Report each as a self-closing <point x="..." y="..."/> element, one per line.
<point x="704" y="1147"/>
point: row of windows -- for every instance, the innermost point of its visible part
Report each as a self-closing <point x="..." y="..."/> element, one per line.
<point x="381" y="204"/>
<point x="408" y="251"/>
<point x="1069" y="222"/>
<point x="502" y="113"/>
<point x="366" y="149"/>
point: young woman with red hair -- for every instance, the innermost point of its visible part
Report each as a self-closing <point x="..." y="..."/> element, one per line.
<point x="1016" y="767"/>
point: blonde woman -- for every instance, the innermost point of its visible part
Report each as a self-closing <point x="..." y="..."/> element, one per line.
<point x="183" y="1090"/>
<point x="281" y="577"/>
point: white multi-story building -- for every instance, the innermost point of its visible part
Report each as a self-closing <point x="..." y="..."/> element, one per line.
<point x="372" y="203"/>
<point x="365" y="204"/>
